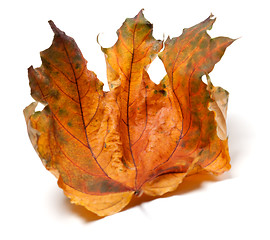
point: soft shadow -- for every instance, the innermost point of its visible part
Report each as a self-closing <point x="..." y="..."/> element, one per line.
<point x="81" y="211"/>
<point x="195" y="183"/>
<point x="189" y="184"/>
<point x="240" y="136"/>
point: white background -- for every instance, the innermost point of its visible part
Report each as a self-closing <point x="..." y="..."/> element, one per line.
<point x="233" y="206"/>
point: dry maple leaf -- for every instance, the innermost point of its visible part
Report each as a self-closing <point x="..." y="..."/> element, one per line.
<point x="139" y="137"/>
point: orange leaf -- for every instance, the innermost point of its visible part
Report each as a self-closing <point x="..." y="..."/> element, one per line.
<point x="139" y="137"/>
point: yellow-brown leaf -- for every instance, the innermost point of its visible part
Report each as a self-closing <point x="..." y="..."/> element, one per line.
<point x="140" y="137"/>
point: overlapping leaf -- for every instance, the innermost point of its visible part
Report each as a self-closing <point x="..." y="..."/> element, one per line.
<point x="139" y="137"/>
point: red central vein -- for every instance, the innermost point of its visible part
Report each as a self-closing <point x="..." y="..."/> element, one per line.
<point x="129" y="79"/>
<point x="189" y="94"/>
<point x="173" y="71"/>
<point x="180" y="137"/>
<point x="179" y="103"/>
<point x="82" y="114"/>
<point x="146" y="116"/>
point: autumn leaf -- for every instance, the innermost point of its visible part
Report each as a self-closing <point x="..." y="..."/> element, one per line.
<point x="140" y="137"/>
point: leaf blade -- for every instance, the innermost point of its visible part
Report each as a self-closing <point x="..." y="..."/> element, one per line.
<point x="140" y="136"/>
<point x="78" y="110"/>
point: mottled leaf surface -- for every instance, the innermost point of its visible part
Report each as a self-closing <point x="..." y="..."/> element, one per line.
<point x="140" y="137"/>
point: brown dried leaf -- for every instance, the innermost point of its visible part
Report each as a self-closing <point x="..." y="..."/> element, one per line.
<point x="104" y="147"/>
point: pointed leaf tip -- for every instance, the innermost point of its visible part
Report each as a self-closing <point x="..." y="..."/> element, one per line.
<point x="55" y="29"/>
<point x="30" y="68"/>
<point x="141" y="12"/>
<point x="140" y="15"/>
